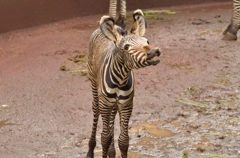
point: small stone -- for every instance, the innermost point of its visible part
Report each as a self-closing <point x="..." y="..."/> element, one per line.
<point x="4" y="105"/>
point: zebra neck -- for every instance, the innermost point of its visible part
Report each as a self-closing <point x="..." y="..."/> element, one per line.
<point x="119" y="71"/>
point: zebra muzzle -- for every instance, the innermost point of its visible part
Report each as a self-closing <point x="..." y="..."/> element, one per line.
<point x="153" y="56"/>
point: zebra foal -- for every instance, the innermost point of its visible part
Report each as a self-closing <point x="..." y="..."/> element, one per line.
<point x="113" y="54"/>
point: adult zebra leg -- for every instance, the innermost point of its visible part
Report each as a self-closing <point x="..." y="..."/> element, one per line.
<point x="95" y="109"/>
<point x="111" y="150"/>
<point x="122" y="14"/>
<point x="123" y="140"/>
<point x="113" y="8"/>
<point x="231" y="32"/>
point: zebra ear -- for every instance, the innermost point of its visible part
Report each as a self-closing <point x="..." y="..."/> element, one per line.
<point x="108" y="28"/>
<point x="139" y="25"/>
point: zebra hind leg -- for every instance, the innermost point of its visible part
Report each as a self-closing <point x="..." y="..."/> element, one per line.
<point x="92" y="141"/>
<point x="95" y="108"/>
<point x="111" y="150"/>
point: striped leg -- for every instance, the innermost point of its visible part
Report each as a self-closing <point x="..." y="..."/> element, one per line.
<point x="122" y="15"/>
<point x="123" y="141"/>
<point x="111" y="150"/>
<point x="107" y="132"/>
<point x="123" y="9"/>
<point x="113" y="8"/>
<point x="231" y="32"/>
<point x="95" y="108"/>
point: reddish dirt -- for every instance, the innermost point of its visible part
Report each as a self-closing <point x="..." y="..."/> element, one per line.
<point x="186" y="106"/>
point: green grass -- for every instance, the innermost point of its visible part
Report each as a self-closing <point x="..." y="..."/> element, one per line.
<point x="190" y="103"/>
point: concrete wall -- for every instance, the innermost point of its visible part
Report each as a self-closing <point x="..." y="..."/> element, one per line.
<point x="18" y="14"/>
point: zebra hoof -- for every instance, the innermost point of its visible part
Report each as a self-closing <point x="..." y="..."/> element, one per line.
<point x="112" y="155"/>
<point x="229" y="37"/>
<point x="90" y="156"/>
<point x="227" y="29"/>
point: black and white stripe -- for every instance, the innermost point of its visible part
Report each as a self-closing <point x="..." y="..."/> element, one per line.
<point x="236" y="13"/>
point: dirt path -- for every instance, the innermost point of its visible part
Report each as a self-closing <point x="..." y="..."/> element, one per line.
<point x="187" y="106"/>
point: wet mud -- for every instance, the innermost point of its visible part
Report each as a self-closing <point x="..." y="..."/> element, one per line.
<point x="188" y="106"/>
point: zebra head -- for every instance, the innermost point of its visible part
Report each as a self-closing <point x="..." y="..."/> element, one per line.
<point x="133" y="47"/>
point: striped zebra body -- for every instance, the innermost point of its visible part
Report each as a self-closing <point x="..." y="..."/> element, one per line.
<point x="231" y="32"/>
<point x="122" y="13"/>
<point x="112" y="57"/>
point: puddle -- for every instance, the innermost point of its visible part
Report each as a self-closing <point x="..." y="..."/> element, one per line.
<point x="4" y="123"/>
<point x="67" y="148"/>
<point x="133" y="130"/>
<point x="161" y="132"/>
<point x="155" y="131"/>
<point x="203" y="146"/>
<point x="205" y="140"/>
<point x="162" y="145"/>
<point x="82" y="144"/>
<point x="176" y="123"/>
<point x="50" y="154"/>
<point x="152" y="129"/>
<point x="206" y="125"/>
<point x="146" y="142"/>
<point x="233" y="134"/>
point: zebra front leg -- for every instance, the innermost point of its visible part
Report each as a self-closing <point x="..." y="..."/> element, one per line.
<point x="231" y="32"/>
<point x="123" y="140"/>
<point x="111" y="150"/>
<point x="95" y="109"/>
<point x="107" y="131"/>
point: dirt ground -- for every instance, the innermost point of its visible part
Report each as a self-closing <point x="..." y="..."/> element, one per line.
<point x="188" y="106"/>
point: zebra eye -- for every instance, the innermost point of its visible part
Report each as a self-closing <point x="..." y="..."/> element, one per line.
<point x="126" y="47"/>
